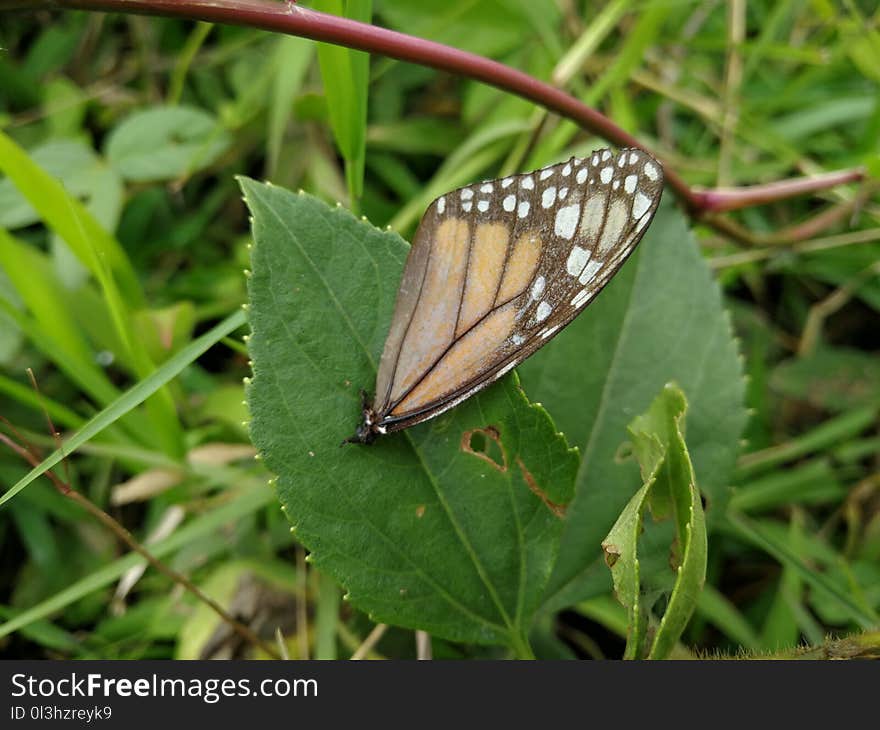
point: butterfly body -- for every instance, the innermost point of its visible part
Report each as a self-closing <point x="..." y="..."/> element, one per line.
<point x="496" y="270"/>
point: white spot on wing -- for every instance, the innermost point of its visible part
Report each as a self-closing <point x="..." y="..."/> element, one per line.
<point x="509" y="203"/>
<point x="507" y="182"/>
<point x="621" y="161"/>
<point x="594" y="213"/>
<point x="641" y="204"/>
<point x="582" y="175"/>
<point x="467" y="194"/>
<point x="605" y="175"/>
<point x="594" y="160"/>
<point x="528" y="182"/>
<point x="441" y="205"/>
<point x="566" y="171"/>
<point x="549" y="197"/>
<point x="523" y="209"/>
<point x="549" y="331"/>
<point x="538" y="288"/>
<point x="517" y="339"/>
<point x="545" y="173"/>
<point x="577" y="259"/>
<point x="483" y="206"/>
<point x="487" y="188"/>
<point x="506" y="369"/>
<point x="651" y="172"/>
<point x="466" y="207"/>
<point x="563" y="193"/>
<point x="581" y="298"/>
<point x="615" y="222"/>
<point x="566" y="220"/>
<point x="606" y="155"/>
<point x="642" y="223"/>
<point x="544" y="310"/>
<point x="589" y="272"/>
<point x="630" y="184"/>
<point x="633" y="158"/>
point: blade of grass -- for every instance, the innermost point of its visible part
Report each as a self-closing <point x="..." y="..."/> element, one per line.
<point x="626" y="60"/>
<point x="832" y="431"/>
<point x="605" y="610"/>
<point x="246" y="503"/>
<point x="781" y="626"/>
<point x="752" y="532"/>
<point x="715" y="608"/>
<point x="476" y="153"/>
<point x="26" y="395"/>
<point x="292" y="59"/>
<point x="327" y="617"/>
<point x="131" y="398"/>
<point x="185" y="58"/>
<point x="346" y="74"/>
<point x="68" y="218"/>
<point x="106" y="260"/>
<point x="91" y="380"/>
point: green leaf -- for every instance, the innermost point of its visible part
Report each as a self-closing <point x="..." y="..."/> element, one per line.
<point x="659" y="320"/>
<point x="451" y="526"/>
<point x="165" y="143"/>
<point x="669" y="490"/>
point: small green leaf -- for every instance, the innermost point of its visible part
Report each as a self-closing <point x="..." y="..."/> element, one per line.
<point x="451" y="526"/>
<point x="669" y="490"/>
<point x="165" y="143"/>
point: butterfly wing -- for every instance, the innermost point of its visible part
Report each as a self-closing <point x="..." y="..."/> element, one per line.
<point x="498" y="268"/>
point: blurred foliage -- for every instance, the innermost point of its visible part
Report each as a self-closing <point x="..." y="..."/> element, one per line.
<point x="123" y="238"/>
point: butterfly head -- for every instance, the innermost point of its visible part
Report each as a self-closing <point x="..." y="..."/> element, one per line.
<point x="369" y="429"/>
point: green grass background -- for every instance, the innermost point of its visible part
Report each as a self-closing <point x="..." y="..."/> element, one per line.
<point x="123" y="241"/>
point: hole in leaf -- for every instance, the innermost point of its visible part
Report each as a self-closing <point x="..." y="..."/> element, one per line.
<point x="624" y="453"/>
<point x="485" y="443"/>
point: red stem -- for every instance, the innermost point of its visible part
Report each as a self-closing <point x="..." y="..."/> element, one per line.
<point x="287" y="17"/>
<point x="720" y="200"/>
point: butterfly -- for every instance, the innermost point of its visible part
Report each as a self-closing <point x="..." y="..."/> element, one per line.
<point x="496" y="270"/>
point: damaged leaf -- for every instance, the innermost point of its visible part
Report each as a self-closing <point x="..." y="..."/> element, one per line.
<point x="452" y="526"/>
<point x="670" y="493"/>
